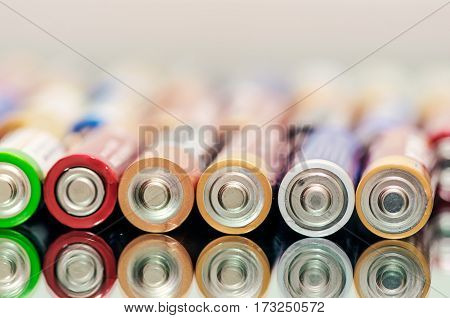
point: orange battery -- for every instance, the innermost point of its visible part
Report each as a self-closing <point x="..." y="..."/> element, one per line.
<point x="395" y="196"/>
<point x="155" y="266"/>
<point x="234" y="194"/>
<point x="393" y="269"/>
<point x="232" y="266"/>
<point x="157" y="192"/>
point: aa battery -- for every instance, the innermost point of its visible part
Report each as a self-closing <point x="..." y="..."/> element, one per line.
<point x="234" y="194"/>
<point x="232" y="266"/>
<point x="156" y="193"/>
<point x="314" y="268"/>
<point x="392" y="269"/>
<point x="80" y="265"/>
<point x="155" y="266"/>
<point x="26" y="155"/>
<point x="20" y="267"/>
<point x="81" y="189"/>
<point x="394" y="198"/>
<point x="317" y="195"/>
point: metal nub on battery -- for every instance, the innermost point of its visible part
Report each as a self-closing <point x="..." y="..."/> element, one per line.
<point x="315" y="268"/>
<point x="15" y="190"/>
<point x="233" y="267"/>
<point x="155" y="266"/>
<point x="156" y="195"/>
<point x="394" y="197"/>
<point x="392" y="269"/>
<point x="234" y="196"/>
<point x="80" y="271"/>
<point x="19" y="265"/>
<point x="79" y="265"/>
<point x="80" y="191"/>
<point x="316" y="197"/>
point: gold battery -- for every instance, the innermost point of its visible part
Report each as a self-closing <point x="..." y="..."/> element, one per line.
<point x="395" y="196"/>
<point x="232" y="266"/>
<point x="157" y="192"/>
<point x="393" y="268"/>
<point x="234" y="194"/>
<point x="155" y="266"/>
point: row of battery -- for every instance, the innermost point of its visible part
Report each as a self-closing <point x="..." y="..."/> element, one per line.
<point x="82" y="160"/>
<point x="83" y="264"/>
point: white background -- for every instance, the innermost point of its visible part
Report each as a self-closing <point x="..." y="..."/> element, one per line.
<point x="228" y="36"/>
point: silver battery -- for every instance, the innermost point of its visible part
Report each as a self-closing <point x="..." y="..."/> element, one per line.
<point x="232" y="268"/>
<point x="80" y="191"/>
<point x="317" y="195"/>
<point x="315" y="268"/>
<point x="155" y="272"/>
<point x="15" y="268"/>
<point x="392" y="271"/>
<point x="80" y="271"/>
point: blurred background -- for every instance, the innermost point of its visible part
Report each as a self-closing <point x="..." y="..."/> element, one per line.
<point x="227" y="37"/>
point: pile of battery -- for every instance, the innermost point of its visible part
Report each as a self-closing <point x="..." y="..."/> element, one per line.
<point x="193" y="160"/>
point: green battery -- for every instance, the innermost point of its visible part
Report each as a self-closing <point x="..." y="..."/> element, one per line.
<point x="26" y="155"/>
<point x="20" y="266"/>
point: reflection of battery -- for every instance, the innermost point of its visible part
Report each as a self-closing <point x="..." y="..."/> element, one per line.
<point x="81" y="189"/>
<point x="437" y="238"/>
<point x="157" y="192"/>
<point x="155" y="266"/>
<point x="234" y="194"/>
<point x="394" y="198"/>
<point x="317" y="195"/>
<point x="19" y="265"/>
<point x="392" y="268"/>
<point x="80" y="265"/>
<point x="25" y="157"/>
<point x="314" y="268"/>
<point x="233" y="266"/>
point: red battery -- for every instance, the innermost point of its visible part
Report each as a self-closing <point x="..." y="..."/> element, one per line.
<point x="80" y="265"/>
<point x="81" y="189"/>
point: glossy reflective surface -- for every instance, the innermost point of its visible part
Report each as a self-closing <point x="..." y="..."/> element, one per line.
<point x="272" y="261"/>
